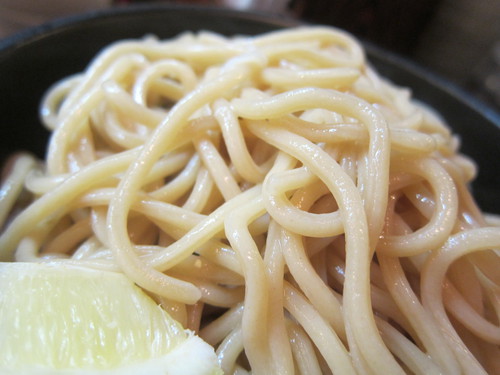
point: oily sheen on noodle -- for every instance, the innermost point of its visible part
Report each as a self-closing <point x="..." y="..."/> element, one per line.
<point x="274" y="194"/>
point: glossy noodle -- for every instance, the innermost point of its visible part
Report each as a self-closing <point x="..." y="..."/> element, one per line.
<point x="274" y="194"/>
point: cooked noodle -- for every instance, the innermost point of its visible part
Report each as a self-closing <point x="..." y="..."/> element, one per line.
<point x="275" y="195"/>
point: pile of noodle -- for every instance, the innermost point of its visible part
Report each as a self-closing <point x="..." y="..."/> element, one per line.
<point x="275" y="195"/>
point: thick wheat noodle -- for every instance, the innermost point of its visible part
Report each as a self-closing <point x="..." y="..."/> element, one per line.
<point x="435" y="268"/>
<point x="468" y="316"/>
<point x="445" y="212"/>
<point x="305" y="98"/>
<point x="356" y="285"/>
<point x="320" y="331"/>
<point x="295" y="218"/>
<point x="229" y="350"/>
<point x="13" y="185"/>
<point x="281" y="357"/>
<point x="425" y="327"/>
<point x="275" y="195"/>
<point x="303" y="350"/>
<point x="312" y="285"/>
<point x="410" y="354"/>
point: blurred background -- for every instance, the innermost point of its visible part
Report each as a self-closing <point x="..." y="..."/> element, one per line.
<point x="458" y="39"/>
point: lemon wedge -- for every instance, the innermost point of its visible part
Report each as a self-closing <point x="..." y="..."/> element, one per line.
<point x="66" y="319"/>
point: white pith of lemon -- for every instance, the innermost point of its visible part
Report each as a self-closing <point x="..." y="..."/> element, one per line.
<point x="64" y="319"/>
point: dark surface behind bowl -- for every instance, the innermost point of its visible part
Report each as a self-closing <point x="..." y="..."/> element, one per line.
<point x="32" y="61"/>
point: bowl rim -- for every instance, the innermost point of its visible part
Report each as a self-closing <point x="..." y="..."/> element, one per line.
<point x="31" y="34"/>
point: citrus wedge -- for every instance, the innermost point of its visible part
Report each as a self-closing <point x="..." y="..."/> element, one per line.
<point x="64" y="319"/>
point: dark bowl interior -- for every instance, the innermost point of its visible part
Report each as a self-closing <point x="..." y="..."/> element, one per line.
<point x="34" y="59"/>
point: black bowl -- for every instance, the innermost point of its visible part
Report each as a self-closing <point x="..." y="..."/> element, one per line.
<point x="34" y="59"/>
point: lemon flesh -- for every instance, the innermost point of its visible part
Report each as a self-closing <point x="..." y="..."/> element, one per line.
<point x="64" y="319"/>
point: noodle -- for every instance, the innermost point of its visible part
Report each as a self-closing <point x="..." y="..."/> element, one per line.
<point x="275" y="195"/>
